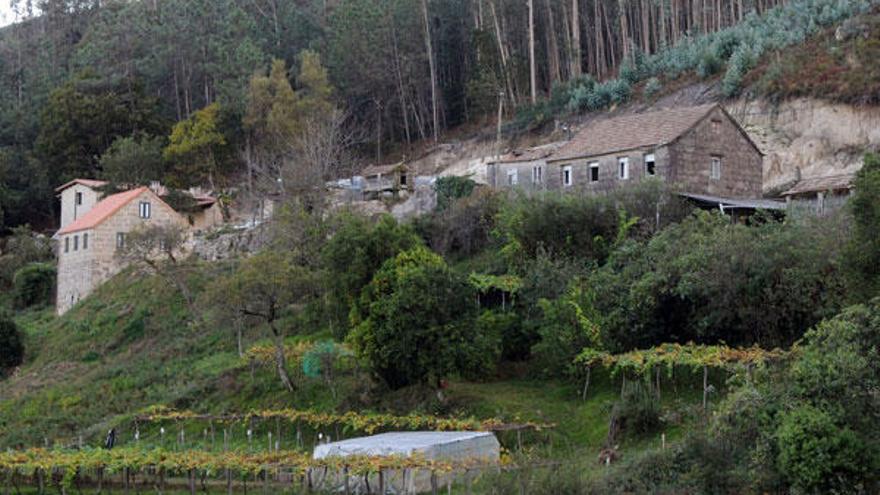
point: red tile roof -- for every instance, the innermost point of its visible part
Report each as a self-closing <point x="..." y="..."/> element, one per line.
<point x="634" y="131"/>
<point x="103" y="210"/>
<point x="86" y="182"/>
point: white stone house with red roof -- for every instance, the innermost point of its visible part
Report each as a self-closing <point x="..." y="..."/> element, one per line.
<point x="93" y="229"/>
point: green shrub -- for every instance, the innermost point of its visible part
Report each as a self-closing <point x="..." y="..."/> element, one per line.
<point x="34" y="285"/>
<point x="863" y="251"/>
<point x="449" y="189"/>
<point x="351" y="257"/>
<point x="817" y="455"/>
<point x="638" y="410"/>
<point x="515" y="342"/>
<point x="653" y="87"/>
<point x="11" y="347"/>
<point x="418" y="326"/>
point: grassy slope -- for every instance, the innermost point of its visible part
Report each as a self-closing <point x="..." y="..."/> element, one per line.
<point x="129" y="347"/>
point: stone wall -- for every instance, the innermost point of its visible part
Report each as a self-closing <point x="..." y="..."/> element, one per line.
<point x="717" y="136"/>
<point x="609" y="178"/>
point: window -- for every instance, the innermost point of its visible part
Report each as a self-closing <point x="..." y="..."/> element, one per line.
<point x="594" y="171"/>
<point x="716" y="126"/>
<point x="76" y="243"/>
<point x="66" y="244"/>
<point x="715" y="169"/>
<point x="79" y="198"/>
<point x="650" y="165"/>
<point x="85" y="241"/>
<point x="145" y="209"/>
<point x="120" y="240"/>
<point x="402" y="179"/>
<point x="567" y="176"/>
<point x="512" y="178"/>
<point x="537" y="174"/>
<point x="623" y="168"/>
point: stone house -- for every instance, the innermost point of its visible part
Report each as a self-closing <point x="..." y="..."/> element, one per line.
<point x="700" y="150"/>
<point x="87" y="245"/>
<point x="522" y="168"/>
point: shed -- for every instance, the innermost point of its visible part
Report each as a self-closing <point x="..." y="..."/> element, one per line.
<point x="819" y="195"/>
<point x="455" y="446"/>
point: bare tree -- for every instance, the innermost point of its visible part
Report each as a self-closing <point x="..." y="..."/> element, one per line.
<point x="160" y="250"/>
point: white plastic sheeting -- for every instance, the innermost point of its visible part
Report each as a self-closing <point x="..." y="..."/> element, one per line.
<point x="479" y="447"/>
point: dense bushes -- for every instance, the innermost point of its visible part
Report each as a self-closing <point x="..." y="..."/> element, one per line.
<point x="418" y="323"/>
<point x="355" y="252"/>
<point x="709" y="281"/>
<point x="11" y="347"/>
<point x="863" y="251"/>
<point x="464" y="227"/>
<point x="805" y="428"/>
<point x="34" y="285"/>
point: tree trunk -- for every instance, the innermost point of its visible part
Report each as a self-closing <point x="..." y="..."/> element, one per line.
<point x="552" y="46"/>
<point x="533" y="80"/>
<point x="433" y="69"/>
<point x="575" y="39"/>
<point x="280" y="360"/>
<point x="705" y="387"/>
<point x="586" y="384"/>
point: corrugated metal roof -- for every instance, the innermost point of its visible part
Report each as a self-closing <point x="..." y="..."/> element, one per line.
<point x="634" y="131"/>
<point x="820" y="184"/>
<point x="730" y="203"/>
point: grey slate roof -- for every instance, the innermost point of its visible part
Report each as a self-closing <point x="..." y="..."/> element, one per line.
<point x="820" y="184"/>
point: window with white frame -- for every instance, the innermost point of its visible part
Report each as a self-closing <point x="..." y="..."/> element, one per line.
<point x="512" y="178"/>
<point x="715" y="168"/>
<point x="79" y="198"/>
<point x="650" y="165"/>
<point x="623" y="168"/>
<point x="594" y="171"/>
<point x="537" y="174"/>
<point x="567" y="175"/>
<point x="144" y="209"/>
<point x="120" y="240"/>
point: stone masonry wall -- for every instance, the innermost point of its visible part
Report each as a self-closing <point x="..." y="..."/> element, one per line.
<point x="716" y="135"/>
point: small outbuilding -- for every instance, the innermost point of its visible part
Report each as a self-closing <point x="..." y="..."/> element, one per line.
<point x="819" y="195"/>
<point x="381" y="179"/>
<point x="479" y="448"/>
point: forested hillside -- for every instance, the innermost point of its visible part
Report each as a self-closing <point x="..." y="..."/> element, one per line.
<point x="88" y="86"/>
<point x="626" y="342"/>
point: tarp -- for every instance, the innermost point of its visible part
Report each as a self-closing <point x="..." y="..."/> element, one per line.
<point x="480" y="447"/>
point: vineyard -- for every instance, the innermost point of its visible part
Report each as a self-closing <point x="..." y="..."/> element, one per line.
<point x="132" y="468"/>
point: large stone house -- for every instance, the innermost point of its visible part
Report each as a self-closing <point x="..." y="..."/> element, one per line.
<point x="92" y="231"/>
<point x="700" y="150"/>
